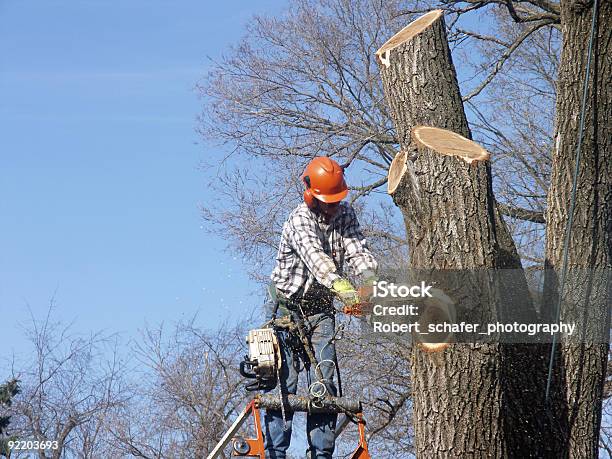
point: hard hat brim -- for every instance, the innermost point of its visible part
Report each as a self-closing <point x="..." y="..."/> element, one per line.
<point x="331" y="198"/>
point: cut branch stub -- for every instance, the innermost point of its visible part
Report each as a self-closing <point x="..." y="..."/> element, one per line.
<point x="397" y="169"/>
<point x="448" y="143"/>
<point x="436" y="310"/>
<point x="412" y="29"/>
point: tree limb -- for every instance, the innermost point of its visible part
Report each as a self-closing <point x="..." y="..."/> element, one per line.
<point x="504" y="57"/>
<point x="484" y="37"/>
<point x="530" y="16"/>
<point x="520" y="213"/>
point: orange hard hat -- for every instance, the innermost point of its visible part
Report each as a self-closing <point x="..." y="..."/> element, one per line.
<point x="324" y="180"/>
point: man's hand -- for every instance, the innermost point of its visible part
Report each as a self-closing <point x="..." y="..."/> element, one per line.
<point x="345" y="292"/>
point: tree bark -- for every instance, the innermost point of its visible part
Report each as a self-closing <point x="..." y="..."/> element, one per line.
<point x="472" y="400"/>
<point x="580" y="369"/>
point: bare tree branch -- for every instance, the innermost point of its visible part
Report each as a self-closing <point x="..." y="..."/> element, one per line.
<point x="521" y="214"/>
<point x="504" y="57"/>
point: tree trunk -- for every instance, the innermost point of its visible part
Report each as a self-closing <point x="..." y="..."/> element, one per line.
<point x="472" y="400"/>
<point x="580" y="365"/>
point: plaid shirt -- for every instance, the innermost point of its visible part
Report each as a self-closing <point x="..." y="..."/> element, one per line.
<point x="311" y="253"/>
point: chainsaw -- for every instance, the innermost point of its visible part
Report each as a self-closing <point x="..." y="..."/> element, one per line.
<point x="264" y="358"/>
<point x="263" y="361"/>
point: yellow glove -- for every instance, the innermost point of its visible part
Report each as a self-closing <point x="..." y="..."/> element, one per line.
<point x="345" y="291"/>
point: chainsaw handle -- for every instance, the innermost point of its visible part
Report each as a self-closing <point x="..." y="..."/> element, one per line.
<point x="244" y="372"/>
<point x="252" y="387"/>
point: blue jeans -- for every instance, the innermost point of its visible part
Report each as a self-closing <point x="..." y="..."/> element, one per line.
<point x="320" y="428"/>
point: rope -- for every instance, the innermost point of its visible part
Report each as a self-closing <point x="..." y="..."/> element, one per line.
<point x="570" y="220"/>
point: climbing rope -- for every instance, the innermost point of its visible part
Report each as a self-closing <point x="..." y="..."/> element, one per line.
<point x="570" y="220"/>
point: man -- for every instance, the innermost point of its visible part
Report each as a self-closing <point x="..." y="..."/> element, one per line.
<point x="319" y="237"/>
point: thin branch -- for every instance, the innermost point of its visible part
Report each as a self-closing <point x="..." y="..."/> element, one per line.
<point x="386" y="235"/>
<point x="484" y="37"/>
<point x="504" y="57"/>
<point x="520" y="213"/>
<point x="365" y="190"/>
<point x="530" y="16"/>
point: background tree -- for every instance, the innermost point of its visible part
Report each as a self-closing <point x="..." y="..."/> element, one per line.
<point x="384" y="384"/>
<point x="188" y="395"/>
<point x="69" y="387"/>
<point x="8" y="390"/>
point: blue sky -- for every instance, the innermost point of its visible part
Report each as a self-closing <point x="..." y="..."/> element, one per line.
<point x="99" y="179"/>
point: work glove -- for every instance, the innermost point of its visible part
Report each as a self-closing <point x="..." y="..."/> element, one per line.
<point x="345" y="291"/>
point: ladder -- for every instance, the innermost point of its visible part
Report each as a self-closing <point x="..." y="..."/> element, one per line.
<point x="254" y="447"/>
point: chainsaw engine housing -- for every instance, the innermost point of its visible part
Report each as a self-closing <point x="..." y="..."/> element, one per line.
<point x="263" y="360"/>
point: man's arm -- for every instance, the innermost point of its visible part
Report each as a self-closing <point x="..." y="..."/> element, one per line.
<point x="307" y="244"/>
<point x="357" y="254"/>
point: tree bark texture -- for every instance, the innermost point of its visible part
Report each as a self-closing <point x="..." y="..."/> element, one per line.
<point x="580" y="369"/>
<point x="472" y="400"/>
